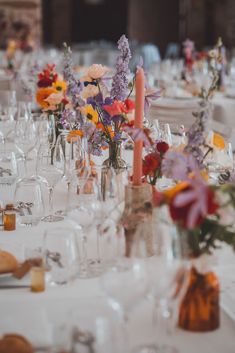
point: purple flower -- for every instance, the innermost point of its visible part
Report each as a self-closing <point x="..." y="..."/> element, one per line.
<point x="74" y="85"/>
<point x="177" y="165"/>
<point x="196" y="133"/>
<point x="150" y="95"/>
<point x="120" y="82"/>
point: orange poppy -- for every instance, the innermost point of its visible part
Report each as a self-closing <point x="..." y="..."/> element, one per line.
<point x="42" y="94"/>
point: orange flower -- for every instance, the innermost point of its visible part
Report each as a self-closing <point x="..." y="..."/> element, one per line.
<point x="218" y="141"/>
<point x="170" y="193"/>
<point x="73" y="134"/>
<point x="42" y="94"/>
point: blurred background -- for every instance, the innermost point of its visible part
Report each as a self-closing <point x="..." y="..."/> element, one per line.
<point x="160" y="22"/>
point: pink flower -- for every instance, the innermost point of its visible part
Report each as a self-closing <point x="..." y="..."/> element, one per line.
<point x="89" y="91"/>
<point x="96" y="71"/>
<point x="54" y="99"/>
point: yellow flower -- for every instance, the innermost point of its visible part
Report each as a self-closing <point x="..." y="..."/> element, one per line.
<point x="218" y="141"/>
<point x="42" y="94"/>
<point x="60" y="86"/>
<point x="90" y="113"/>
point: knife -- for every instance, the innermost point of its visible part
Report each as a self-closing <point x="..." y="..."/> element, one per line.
<point x="14" y="286"/>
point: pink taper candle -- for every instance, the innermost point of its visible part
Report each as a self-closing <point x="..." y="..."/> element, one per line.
<point x="139" y="113"/>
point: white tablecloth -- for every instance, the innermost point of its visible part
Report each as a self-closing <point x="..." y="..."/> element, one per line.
<point x="25" y="312"/>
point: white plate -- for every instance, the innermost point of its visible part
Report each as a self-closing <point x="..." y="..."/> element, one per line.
<point x="5" y="275"/>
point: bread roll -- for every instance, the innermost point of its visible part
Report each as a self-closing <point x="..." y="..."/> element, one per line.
<point x="13" y="343"/>
<point x="8" y="262"/>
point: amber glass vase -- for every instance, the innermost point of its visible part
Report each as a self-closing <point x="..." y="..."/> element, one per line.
<point x="199" y="310"/>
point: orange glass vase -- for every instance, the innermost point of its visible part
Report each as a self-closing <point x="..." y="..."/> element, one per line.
<point x="199" y="309"/>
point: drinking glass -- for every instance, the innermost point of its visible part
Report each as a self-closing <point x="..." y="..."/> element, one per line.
<point x="46" y="131"/>
<point x="25" y="139"/>
<point x="126" y="284"/>
<point x="61" y="255"/>
<point x="8" y="176"/>
<point x="73" y="156"/>
<point x="51" y="168"/>
<point x="168" y="276"/>
<point x="28" y="198"/>
<point x="81" y="211"/>
<point x="7" y="125"/>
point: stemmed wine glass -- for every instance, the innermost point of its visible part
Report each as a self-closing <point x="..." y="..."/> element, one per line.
<point x="74" y="159"/>
<point x="168" y="276"/>
<point x="7" y="124"/>
<point x="51" y="168"/>
<point x="82" y="201"/>
<point x="25" y="139"/>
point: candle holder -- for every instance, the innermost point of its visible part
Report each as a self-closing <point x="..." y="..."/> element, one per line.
<point x="137" y="220"/>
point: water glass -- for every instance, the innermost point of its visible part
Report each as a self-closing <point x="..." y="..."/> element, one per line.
<point x="29" y="200"/>
<point x="8" y="176"/>
<point x="61" y="255"/>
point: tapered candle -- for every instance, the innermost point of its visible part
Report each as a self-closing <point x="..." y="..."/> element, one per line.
<point x="139" y="112"/>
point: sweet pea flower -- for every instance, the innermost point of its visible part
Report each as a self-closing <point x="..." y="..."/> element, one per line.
<point x="96" y="71"/>
<point x="89" y="91"/>
<point x="55" y="99"/>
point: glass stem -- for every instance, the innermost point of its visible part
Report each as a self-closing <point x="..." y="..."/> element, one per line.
<point x="51" y="207"/>
<point x="99" y="234"/>
<point x="68" y="195"/>
<point x="25" y="164"/>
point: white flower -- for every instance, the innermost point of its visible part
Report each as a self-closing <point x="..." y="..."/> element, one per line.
<point x="96" y="71"/>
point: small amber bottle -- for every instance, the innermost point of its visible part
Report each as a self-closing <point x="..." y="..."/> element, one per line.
<point x="37" y="279"/>
<point x="9" y="218"/>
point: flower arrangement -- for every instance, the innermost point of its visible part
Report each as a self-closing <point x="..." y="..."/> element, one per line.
<point x="51" y="93"/>
<point x="197" y="208"/>
<point x="152" y="162"/>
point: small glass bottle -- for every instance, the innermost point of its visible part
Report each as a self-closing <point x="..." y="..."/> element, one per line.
<point x="37" y="279"/>
<point x="9" y="218"/>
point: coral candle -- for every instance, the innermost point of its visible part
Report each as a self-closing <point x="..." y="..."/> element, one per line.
<point x="139" y="112"/>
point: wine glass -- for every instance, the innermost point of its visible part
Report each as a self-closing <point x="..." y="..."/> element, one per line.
<point x="168" y="276"/>
<point x="61" y="254"/>
<point x="46" y="131"/>
<point x="126" y="284"/>
<point x="7" y="124"/>
<point x="81" y="211"/>
<point x="25" y="139"/>
<point x="73" y="155"/>
<point x="108" y="209"/>
<point x="51" y="168"/>
<point x="8" y="176"/>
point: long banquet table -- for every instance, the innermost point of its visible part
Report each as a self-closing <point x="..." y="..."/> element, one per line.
<point x="25" y="312"/>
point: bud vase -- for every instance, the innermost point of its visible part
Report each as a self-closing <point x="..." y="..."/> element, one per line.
<point x="115" y="161"/>
<point x="199" y="310"/>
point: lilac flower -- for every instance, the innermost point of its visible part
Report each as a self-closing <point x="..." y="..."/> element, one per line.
<point x="120" y="82"/>
<point x="74" y="85"/>
<point x="150" y="95"/>
<point x="137" y="134"/>
<point x="177" y="165"/>
<point x="196" y="133"/>
<point x="70" y="119"/>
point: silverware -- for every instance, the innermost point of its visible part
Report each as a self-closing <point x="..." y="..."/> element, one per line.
<point x="28" y="206"/>
<point x="14" y="286"/>
<point x="5" y="171"/>
<point x="85" y="338"/>
<point x="55" y="257"/>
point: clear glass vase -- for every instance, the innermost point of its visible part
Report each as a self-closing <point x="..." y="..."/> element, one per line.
<point x="115" y="161"/>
